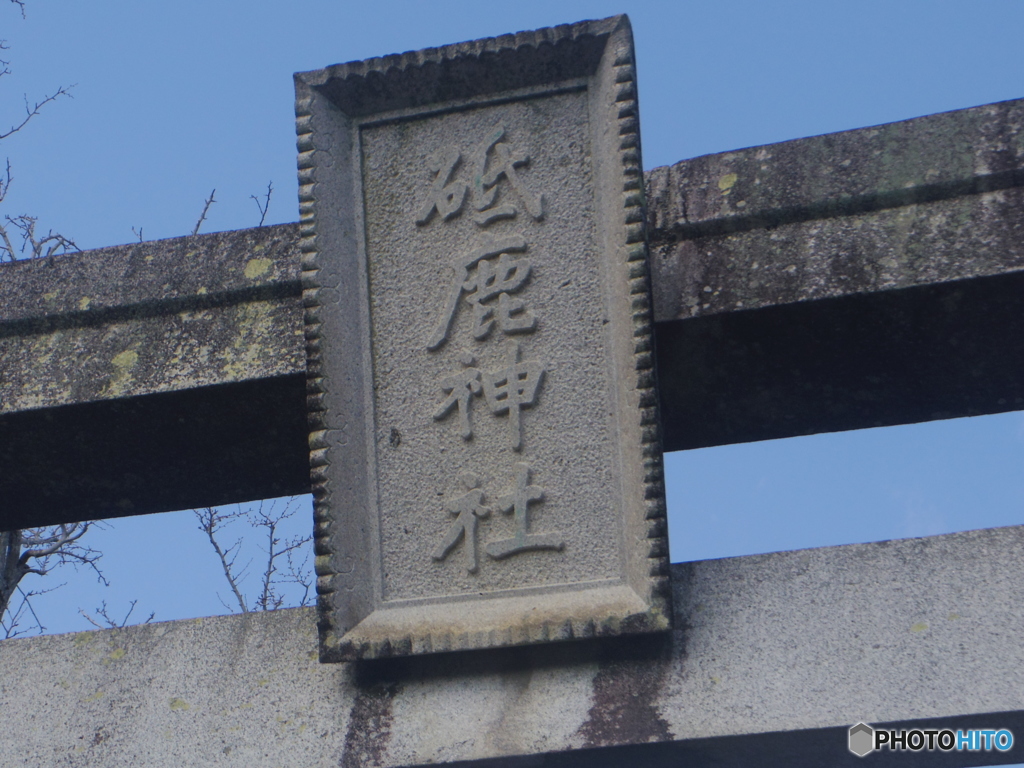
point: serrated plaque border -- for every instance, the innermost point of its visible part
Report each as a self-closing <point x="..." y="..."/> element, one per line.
<point x="350" y="626"/>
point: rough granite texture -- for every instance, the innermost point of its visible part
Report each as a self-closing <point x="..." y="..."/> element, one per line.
<point x="150" y="317"/>
<point x="927" y="200"/>
<point x="774" y="657"/>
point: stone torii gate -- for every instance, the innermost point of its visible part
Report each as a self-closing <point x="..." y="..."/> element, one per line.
<point x="859" y="279"/>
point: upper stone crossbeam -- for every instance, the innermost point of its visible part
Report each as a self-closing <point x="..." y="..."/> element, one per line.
<point x="857" y="279"/>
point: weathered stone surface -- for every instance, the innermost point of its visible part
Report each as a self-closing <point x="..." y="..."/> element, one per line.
<point x="924" y="201"/>
<point x="918" y="202"/>
<point x="885" y="293"/>
<point x="859" y="279"/>
<point x="485" y="436"/>
<point x="774" y="658"/>
<point x="150" y="317"/>
<point x="151" y="377"/>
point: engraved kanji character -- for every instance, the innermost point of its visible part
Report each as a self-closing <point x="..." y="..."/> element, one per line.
<point x="488" y="282"/>
<point x="462" y="267"/>
<point x="517" y="502"/>
<point x="495" y="160"/>
<point x="446" y="196"/>
<point x="467" y="509"/>
<point x="512" y="388"/>
<point x="461" y="386"/>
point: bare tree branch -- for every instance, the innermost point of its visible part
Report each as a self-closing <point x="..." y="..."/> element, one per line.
<point x="32" y="110"/>
<point x="104" y="620"/>
<point x="5" y="65"/>
<point x="137" y="234"/>
<point x="265" y="206"/>
<point x="10" y="622"/>
<point x="33" y="551"/>
<point x="282" y="564"/>
<point x="202" y="217"/>
<point x="211" y="521"/>
<point x="38" y="551"/>
<point x="32" y="245"/>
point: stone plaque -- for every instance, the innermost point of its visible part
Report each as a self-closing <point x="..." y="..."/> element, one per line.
<point x="486" y="460"/>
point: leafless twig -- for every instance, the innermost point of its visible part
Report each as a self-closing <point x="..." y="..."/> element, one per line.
<point x="202" y="217"/>
<point x="265" y="206"/>
<point x="137" y="234"/>
<point x="32" y="245"/>
<point x="32" y="110"/>
<point x="11" y="622"/>
<point x="104" y="620"/>
<point x="211" y="522"/>
<point x="5" y="65"/>
<point x="39" y="551"/>
<point x="286" y="559"/>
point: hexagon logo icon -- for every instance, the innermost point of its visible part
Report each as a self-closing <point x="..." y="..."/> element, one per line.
<point x="862" y="739"/>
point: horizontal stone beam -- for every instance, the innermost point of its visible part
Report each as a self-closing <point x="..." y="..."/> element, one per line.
<point x="914" y="203"/>
<point x="857" y="279"/>
<point x="150" y="377"/>
<point x="152" y="317"/>
<point x="775" y="656"/>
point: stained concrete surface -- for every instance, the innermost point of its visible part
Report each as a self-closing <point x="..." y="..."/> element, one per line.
<point x="774" y="657"/>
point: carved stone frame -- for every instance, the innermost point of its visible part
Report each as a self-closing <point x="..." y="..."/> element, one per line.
<point x="331" y="105"/>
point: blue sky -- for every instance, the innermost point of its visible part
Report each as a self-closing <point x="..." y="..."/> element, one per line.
<point x="172" y="100"/>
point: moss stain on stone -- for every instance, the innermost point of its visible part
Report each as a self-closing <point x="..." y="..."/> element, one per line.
<point x="125" y="360"/>
<point x="83" y="638"/>
<point x="256" y="268"/>
<point x="120" y="381"/>
<point x="255" y="336"/>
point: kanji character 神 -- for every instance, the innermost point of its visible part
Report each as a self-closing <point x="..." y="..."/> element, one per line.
<point x="506" y="391"/>
<point x="461" y="386"/>
<point x="467" y="509"/>
<point x="512" y="388"/>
